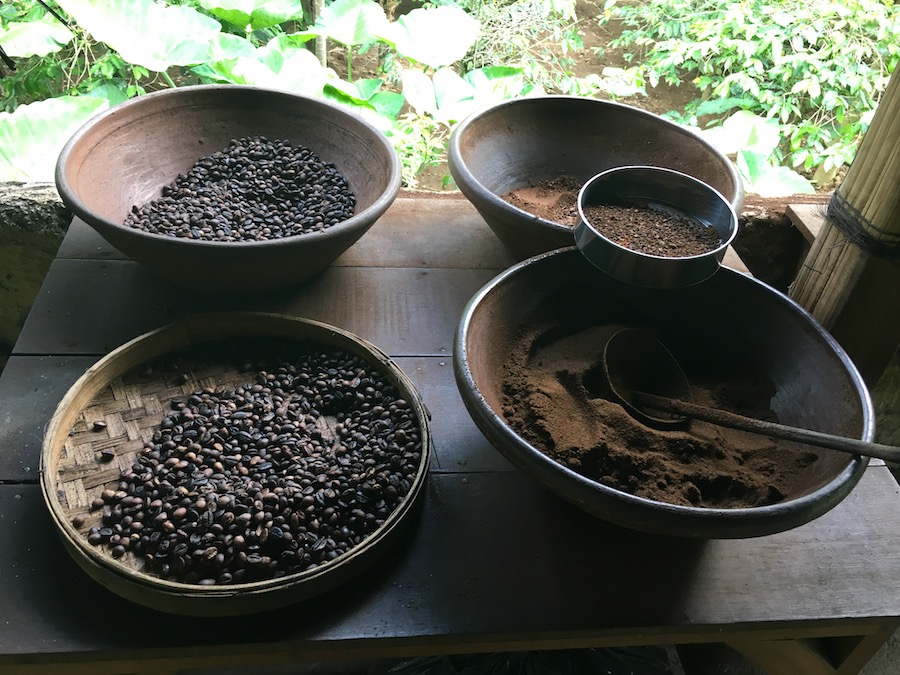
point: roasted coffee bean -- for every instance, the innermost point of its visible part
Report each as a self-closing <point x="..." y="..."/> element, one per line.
<point x="248" y="483"/>
<point x="254" y="189"/>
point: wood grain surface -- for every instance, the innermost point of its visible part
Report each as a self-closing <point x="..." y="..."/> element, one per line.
<point x="494" y="562"/>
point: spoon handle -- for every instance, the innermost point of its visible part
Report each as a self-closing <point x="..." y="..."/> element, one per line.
<point x="732" y="420"/>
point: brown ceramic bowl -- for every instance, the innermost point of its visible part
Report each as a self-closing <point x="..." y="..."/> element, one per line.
<point x="519" y="143"/>
<point x="124" y="156"/>
<point x="754" y="334"/>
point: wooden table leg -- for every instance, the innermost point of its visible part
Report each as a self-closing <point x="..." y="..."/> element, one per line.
<point x="846" y="655"/>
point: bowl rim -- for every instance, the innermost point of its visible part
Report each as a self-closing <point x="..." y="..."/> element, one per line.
<point x="681" y="520"/>
<point x="459" y="166"/>
<point x="72" y="200"/>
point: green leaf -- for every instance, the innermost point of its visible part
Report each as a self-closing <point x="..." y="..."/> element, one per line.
<point x="289" y="66"/>
<point x="744" y="131"/>
<point x="340" y="92"/>
<point x="367" y="88"/>
<point x="227" y="47"/>
<point x="352" y="22"/>
<point x="364" y="98"/>
<point x="456" y="96"/>
<point x="34" y="38"/>
<point x="283" y="63"/>
<point x="435" y="37"/>
<point x="32" y="136"/>
<point x="418" y="90"/>
<point x="717" y="106"/>
<point x="493" y="84"/>
<point x="388" y="103"/>
<point x="752" y="165"/>
<point x="147" y="33"/>
<point x="780" y="181"/>
<point x="254" y="14"/>
<point x="110" y="92"/>
<point x="347" y="92"/>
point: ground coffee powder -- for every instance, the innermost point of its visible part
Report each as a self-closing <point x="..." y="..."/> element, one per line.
<point x="553" y="398"/>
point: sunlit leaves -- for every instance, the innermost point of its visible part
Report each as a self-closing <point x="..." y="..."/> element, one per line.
<point x="32" y="136"/>
<point x="435" y="37"/>
<point x="352" y="22"/>
<point x="34" y="38"/>
<point x="818" y="68"/>
<point x="145" y="32"/>
<point x="283" y="63"/>
<point x="254" y="14"/>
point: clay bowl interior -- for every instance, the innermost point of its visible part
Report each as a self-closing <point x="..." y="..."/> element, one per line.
<point x="518" y="143"/>
<point x="752" y="330"/>
<point x="125" y="156"/>
<point x="129" y="399"/>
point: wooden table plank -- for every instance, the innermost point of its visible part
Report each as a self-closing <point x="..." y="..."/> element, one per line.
<point x="90" y="307"/>
<point x="495" y="562"/>
<point x="494" y="559"/>
<point x="459" y="446"/>
<point x="30" y="389"/>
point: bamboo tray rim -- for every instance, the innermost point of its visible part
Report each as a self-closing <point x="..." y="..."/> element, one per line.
<point x="187" y="332"/>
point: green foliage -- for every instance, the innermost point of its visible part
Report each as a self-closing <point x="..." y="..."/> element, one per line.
<point x="751" y="140"/>
<point x="816" y="68"/>
<point x="253" y="15"/>
<point x="113" y="51"/>
<point x="529" y="35"/>
<point x="146" y="33"/>
<point x="32" y="137"/>
<point x="806" y="75"/>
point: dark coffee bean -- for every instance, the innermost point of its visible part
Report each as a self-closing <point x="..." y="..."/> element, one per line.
<point x="245" y="482"/>
<point x="276" y="190"/>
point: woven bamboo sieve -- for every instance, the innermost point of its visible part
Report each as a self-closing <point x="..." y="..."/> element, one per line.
<point x="117" y="405"/>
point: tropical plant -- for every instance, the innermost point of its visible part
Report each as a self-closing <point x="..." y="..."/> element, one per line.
<point x="113" y="51"/>
<point x="816" y="69"/>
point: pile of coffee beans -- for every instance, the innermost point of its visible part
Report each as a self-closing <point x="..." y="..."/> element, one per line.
<point x="253" y="190"/>
<point x="284" y="473"/>
<point x="654" y="231"/>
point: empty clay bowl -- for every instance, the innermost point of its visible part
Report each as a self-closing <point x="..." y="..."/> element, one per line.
<point x="124" y="157"/>
<point x="731" y="332"/>
<point x="670" y="192"/>
<point x="519" y="143"/>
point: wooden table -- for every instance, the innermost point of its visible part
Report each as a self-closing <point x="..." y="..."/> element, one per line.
<point x="495" y="563"/>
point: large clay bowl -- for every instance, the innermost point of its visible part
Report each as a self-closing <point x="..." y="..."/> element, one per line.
<point x="730" y="321"/>
<point x="124" y="156"/>
<point x="518" y="143"/>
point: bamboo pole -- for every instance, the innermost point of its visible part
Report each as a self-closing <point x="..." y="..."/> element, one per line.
<point x="850" y="280"/>
<point x="321" y="48"/>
